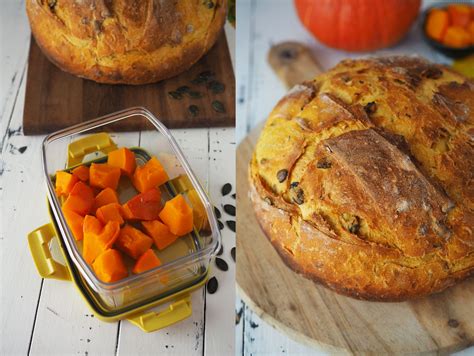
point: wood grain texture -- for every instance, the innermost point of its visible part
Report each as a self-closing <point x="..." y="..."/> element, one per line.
<point x="317" y="316"/>
<point x="55" y="99"/>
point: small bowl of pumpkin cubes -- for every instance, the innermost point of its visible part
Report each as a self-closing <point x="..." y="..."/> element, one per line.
<point x="449" y="28"/>
<point x="122" y="236"/>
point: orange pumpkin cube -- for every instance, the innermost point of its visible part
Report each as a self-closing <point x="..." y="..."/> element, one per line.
<point x="103" y="175"/>
<point x="81" y="172"/>
<point x="64" y="182"/>
<point x="160" y="233"/>
<point x="470" y="29"/>
<point x="436" y="24"/>
<point x="178" y="216"/>
<point x="144" y="206"/>
<point x="133" y="242"/>
<point x="124" y="159"/>
<point x="109" y="212"/>
<point x="80" y="199"/>
<point x="459" y="14"/>
<point x="97" y="237"/>
<point x="457" y="37"/>
<point x="109" y="266"/>
<point x="105" y="196"/>
<point x="75" y="222"/>
<point x="150" y="175"/>
<point x="146" y="262"/>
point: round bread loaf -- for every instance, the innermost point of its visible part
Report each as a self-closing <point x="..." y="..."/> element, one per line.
<point x="363" y="179"/>
<point x="125" y="41"/>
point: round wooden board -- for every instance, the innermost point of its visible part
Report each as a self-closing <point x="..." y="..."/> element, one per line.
<point x="314" y="315"/>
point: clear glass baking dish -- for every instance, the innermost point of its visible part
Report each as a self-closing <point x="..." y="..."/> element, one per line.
<point x="184" y="263"/>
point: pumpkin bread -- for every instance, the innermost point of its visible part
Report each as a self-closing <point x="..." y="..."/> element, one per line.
<point x="125" y="41"/>
<point x="363" y="179"/>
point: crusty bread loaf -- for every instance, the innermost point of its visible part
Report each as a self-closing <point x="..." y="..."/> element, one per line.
<point x="125" y="41"/>
<point x="363" y="179"/>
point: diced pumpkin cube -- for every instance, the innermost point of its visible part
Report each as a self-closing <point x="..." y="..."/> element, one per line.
<point x="105" y="196"/>
<point x="64" y="182"/>
<point x="97" y="237"/>
<point x="103" y="175"/>
<point x="150" y="175"/>
<point x="144" y="206"/>
<point x="109" y="212"/>
<point x="109" y="266"/>
<point x="133" y="242"/>
<point x="80" y="199"/>
<point x="75" y="222"/>
<point x="459" y="14"/>
<point x="81" y="172"/>
<point x="178" y="216"/>
<point x="160" y="233"/>
<point x="146" y="262"/>
<point x="456" y="37"/>
<point x="199" y="212"/>
<point x="470" y="29"/>
<point x="437" y="23"/>
<point x="124" y="159"/>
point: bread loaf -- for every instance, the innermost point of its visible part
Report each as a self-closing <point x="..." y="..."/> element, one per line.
<point x="125" y="41"/>
<point x="363" y="179"/>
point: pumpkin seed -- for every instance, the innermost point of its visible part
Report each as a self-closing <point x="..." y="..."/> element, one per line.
<point x="221" y="264"/>
<point x="217" y="212"/>
<point x="220" y="224"/>
<point x="294" y="184"/>
<point x="221" y="250"/>
<point x="226" y="189"/>
<point x="323" y="164"/>
<point x="218" y="106"/>
<point x="298" y="196"/>
<point x="212" y="285"/>
<point x="198" y="81"/>
<point x="370" y="108"/>
<point x="354" y="228"/>
<point x="183" y="89"/>
<point x="432" y="73"/>
<point x="216" y="87"/>
<point x="282" y="174"/>
<point x="210" y="5"/>
<point x="175" y="95"/>
<point x="232" y="253"/>
<point x="233" y="196"/>
<point x="194" y="94"/>
<point x="231" y="225"/>
<point x="206" y="74"/>
<point x="194" y="110"/>
<point x="229" y="209"/>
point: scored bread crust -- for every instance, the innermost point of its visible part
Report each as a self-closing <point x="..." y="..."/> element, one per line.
<point x="122" y="41"/>
<point x="363" y="179"/>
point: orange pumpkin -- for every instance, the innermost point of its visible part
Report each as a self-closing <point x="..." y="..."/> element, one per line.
<point x="80" y="200"/>
<point x="105" y="196"/>
<point x="103" y="175"/>
<point x="124" y="159"/>
<point x="81" y="172"/>
<point x="150" y="175"/>
<point x="97" y="237"/>
<point x="109" y="266"/>
<point x="133" y="242"/>
<point x="109" y="212"/>
<point x="358" y="25"/>
<point x="146" y="262"/>
<point x="75" y="222"/>
<point x="64" y="183"/>
<point x="160" y="232"/>
<point x="144" y="206"/>
<point x="178" y="216"/>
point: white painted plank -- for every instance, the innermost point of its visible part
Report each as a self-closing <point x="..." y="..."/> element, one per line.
<point x="220" y="324"/>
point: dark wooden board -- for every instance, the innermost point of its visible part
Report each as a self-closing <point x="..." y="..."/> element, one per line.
<point x="55" y="99"/>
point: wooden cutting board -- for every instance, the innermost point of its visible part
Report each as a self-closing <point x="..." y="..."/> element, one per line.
<point x="314" y="315"/>
<point x="55" y="99"/>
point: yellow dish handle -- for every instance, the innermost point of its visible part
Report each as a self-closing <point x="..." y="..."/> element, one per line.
<point x="77" y="150"/>
<point x="47" y="267"/>
<point x="151" y="321"/>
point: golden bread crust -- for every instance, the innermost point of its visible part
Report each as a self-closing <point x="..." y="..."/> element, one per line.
<point x="121" y="41"/>
<point x="363" y="179"/>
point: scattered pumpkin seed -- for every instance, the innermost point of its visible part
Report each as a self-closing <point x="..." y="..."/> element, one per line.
<point x="232" y="253"/>
<point x="217" y="212"/>
<point x="206" y="74"/>
<point x="194" y="94"/>
<point x="233" y="196"/>
<point x="231" y="225"/>
<point x="221" y="264"/>
<point x="183" y="89"/>
<point x="210" y="4"/>
<point x="226" y="189"/>
<point x="218" y="106"/>
<point x="282" y="174"/>
<point x="221" y="250"/>
<point x="212" y="285"/>
<point x="220" y="224"/>
<point x="216" y="87"/>
<point x="229" y="209"/>
<point x="370" y="108"/>
<point x="298" y="195"/>
<point x="198" y="81"/>
<point x="175" y="95"/>
<point x="194" y="110"/>
<point x="294" y="184"/>
<point x="323" y="164"/>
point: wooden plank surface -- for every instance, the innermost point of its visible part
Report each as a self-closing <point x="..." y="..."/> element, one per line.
<point x="312" y="314"/>
<point x="56" y="99"/>
<point x="43" y="317"/>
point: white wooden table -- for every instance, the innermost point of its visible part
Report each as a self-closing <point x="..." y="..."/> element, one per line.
<point x="47" y="317"/>
<point x="262" y="23"/>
